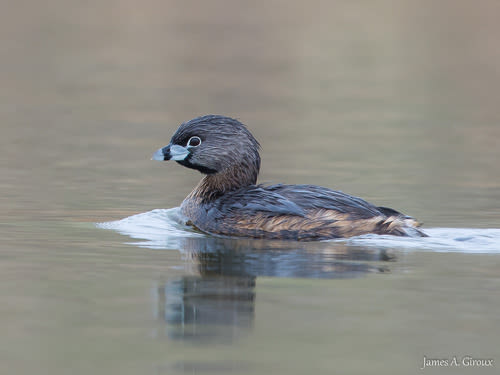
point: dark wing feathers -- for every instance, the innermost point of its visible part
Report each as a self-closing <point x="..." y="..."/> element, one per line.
<point x="391" y="212"/>
<point x="315" y="197"/>
<point x="252" y="199"/>
<point x="275" y="200"/>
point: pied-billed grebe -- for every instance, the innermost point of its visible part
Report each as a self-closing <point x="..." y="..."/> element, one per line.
<point x="227" y="200"/>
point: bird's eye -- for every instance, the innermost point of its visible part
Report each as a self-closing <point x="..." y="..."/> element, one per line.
<point x="194" y="141"/>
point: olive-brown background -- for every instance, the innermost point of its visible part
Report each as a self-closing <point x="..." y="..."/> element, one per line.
<point x="394" y="101"/>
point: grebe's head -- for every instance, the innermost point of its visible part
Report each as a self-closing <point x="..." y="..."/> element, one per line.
<point x="213" y="144"/>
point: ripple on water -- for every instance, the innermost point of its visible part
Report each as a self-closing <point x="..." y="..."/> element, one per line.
<point x="163" y="228"/>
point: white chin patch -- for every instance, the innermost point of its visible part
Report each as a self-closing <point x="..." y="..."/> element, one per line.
<point x="178" y="152"/>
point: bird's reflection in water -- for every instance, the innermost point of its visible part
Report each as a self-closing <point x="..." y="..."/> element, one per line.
<point x="217" y="302"/>
<point x="207" y="308"/>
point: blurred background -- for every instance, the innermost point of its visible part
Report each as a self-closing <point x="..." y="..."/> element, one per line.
<point x="396" y="101"/>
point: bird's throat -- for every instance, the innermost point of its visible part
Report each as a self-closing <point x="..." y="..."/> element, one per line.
<point x="214" y="185"/>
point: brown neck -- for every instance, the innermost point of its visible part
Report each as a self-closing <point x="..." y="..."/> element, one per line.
<point x="214" y="185"/>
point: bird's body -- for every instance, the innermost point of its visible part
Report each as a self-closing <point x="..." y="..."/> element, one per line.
<point x="228" y="202"/>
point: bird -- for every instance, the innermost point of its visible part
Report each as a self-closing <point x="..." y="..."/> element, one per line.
<point x="229" y="202"/>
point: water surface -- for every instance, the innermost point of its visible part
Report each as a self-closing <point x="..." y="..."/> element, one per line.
<point x="392" y="101"/>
